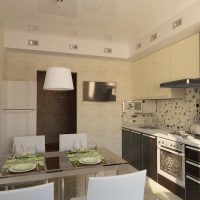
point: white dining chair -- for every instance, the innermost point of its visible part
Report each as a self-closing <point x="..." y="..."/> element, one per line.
<point x="121" y="187"/>
<point x="66" y="140"/>
<point x="66" y="143"/>
<point x="37" y="141"/>
<point x="44" y="192"/>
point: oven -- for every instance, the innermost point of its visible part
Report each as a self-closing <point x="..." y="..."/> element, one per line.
<point x="171" y="160"/>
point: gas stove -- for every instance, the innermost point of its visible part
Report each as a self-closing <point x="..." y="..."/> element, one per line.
<point x="179" y="134"/>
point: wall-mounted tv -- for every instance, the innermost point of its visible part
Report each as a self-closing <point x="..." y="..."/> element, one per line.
<point x="99" y="91"/>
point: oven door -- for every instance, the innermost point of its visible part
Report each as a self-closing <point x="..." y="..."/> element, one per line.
<point x="171" y="165"/>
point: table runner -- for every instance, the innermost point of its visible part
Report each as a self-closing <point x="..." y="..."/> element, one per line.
<point x="36" y="158"/>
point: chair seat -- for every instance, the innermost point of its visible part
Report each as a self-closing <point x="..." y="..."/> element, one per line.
<point x="79" y="198"/>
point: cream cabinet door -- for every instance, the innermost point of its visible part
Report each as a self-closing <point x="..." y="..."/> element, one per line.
<point x="138" y="84"/>
<point x="162" y="72"/>
<point x="185" y="58"/>
<point x="148" y="64"/>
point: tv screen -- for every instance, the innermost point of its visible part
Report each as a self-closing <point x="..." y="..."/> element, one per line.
<point x="99" y="91"/>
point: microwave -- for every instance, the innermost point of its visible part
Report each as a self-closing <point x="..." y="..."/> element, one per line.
<point x="144" y="106"/>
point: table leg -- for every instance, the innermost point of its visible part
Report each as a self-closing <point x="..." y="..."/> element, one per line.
<point x="62" y="188"/>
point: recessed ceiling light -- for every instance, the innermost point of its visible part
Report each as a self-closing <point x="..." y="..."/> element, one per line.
<point x="108" y="37"/>
<point x="32" y="27"/>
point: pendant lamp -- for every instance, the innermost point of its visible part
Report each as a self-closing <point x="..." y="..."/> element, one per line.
<point x="58" y="79"/>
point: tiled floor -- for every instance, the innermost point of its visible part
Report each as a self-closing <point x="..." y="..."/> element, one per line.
<point x="75" y="186"/>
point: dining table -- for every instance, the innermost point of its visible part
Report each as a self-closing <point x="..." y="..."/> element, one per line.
<point x="58" y="165"/>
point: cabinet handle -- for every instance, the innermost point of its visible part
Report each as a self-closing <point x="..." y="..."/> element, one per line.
<point x="149" y="136"/>
<point x="196" y="181"/>
<point x="191" y="163"/>
<point x="136" y="132"/>
<point x="192" y="148"/>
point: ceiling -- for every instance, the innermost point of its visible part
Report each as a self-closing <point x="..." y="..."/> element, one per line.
<point x="114" y="20"/>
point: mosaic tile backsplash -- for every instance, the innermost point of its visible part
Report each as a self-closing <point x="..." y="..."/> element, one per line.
<point x="176" y="114"/>
<point x="179" y="114"/>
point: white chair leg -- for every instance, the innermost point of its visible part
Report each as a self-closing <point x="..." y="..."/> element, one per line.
<point x="46" y="181"/>
<point x="6" y="187"/>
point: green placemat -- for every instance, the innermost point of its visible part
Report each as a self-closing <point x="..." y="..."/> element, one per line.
<point x="75" y="156"/>
<point x="37" y="158"/>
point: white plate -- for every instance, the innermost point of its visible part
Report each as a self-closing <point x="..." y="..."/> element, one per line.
<point x="90" y="160"/>
<point x="22" y="167"/>
<point x="80" y="151"/>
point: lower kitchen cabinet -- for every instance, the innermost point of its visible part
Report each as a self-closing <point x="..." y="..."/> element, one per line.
<point x="132" y="148"/>
<point x="135" y="155"/>
<point x="149" y="155"/>
<point x="125" y="144"/>
<point x="192" y="167"/>
<point x="192" y="188"/>
<point x="140" y="150"/>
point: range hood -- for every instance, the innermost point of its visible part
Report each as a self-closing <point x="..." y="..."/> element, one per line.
<point x="183" y="83"/>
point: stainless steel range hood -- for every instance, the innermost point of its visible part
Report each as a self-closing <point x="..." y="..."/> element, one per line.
<point x="183" y="83"/>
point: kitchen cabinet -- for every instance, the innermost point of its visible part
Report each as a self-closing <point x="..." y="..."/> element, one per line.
<point x="178" y="61"/>
<point x="163" y="74"/>
<point x="125" y="144"/>
<point x="18" y="113"/>
<point x="149" y="155"/>
<point x="132" y="148"/>
<point x="143" y="78"/>
<point x="140" y="150"/>
<point x="192" y="167"/>
<point x="135" y="155"/>
<point x="148" y="64"/>
<point x="184" y="57"/>
<point x="138" y="84"/>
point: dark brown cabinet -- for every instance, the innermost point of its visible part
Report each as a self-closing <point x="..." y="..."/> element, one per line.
<point x="132" y="148"/>
<point x="149" y="155"/>
<point x="192" y="167"/>
<point x="192" y="188"/>
<point x="135" y="151"/>
<point x="140" y="150"/>
<point x="125" y="144"/>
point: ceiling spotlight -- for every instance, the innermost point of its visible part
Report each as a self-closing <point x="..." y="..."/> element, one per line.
<point x="59" y="2"/>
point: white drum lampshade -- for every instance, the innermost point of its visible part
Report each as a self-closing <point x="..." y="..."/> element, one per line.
<point x="58" y="78"/>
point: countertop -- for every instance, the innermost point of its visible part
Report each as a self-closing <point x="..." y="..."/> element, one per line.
<point x="163" y="133"/>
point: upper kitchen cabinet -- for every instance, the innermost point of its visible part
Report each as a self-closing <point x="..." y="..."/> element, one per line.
<point x="138" y="80"/>
<point x="162" y="70"/>
<point x="184" y="57"/>
<point x="148" y="65"/>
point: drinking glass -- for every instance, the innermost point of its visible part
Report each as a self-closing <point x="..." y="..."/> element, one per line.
<point x="18" y="149"/>
<point x="77" y="145"/>
<point x="93" y="146"/>
<point x="31" y="150"/>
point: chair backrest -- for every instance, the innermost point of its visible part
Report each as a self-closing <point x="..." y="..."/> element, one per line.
<point x="66" y="140"/>
<point x="44" y="192"/>
<point x="30" y="141"/>
<point x="121" y="187"/>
